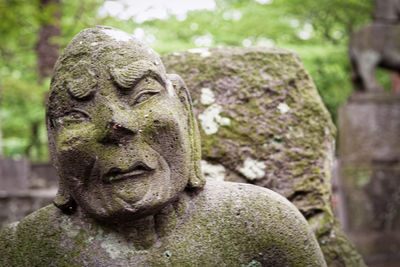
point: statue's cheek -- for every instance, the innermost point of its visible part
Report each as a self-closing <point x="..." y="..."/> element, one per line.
<point x="78" y="137"/>
<point x="76" y="150"/>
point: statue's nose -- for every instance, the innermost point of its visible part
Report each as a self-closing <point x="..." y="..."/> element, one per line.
<point x="120" y="128"/>
<point x="117" y="133"/>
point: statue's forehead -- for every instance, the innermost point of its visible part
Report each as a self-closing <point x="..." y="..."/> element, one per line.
<point x="114" y="46"/>
<point x="100" y="53"/>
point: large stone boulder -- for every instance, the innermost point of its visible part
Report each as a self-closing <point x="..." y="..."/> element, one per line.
<point x="263" y="122"/>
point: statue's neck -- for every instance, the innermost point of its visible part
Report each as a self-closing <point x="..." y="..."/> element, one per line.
<point x="146" y="231"/>
<point x="142" y="233"/>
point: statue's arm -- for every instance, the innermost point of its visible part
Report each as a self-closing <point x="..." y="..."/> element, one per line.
<point x="7" y="245"/>
<point x="286" y="227"/>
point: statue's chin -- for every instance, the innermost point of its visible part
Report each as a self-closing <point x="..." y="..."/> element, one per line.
<point x="121" y="211"/>
<point x="131" y="198"/>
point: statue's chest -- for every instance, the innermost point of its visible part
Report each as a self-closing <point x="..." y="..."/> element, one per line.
<point x="176" y="250"/>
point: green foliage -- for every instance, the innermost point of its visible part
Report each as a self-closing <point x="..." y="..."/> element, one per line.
<point x="22" y="95"/>
<point x="317" y="30"/>
<point x="23" y="114"/>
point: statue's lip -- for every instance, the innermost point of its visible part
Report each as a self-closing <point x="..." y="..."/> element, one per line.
<point x="137" y="169"/>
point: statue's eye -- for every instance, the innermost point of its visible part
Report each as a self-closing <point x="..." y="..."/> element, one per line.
<point x="146" y="89"/>
<point x="74" y="116"/>
<point x="144" y="96"/>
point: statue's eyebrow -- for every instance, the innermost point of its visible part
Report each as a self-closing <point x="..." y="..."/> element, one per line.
<point x="128" y="76"/>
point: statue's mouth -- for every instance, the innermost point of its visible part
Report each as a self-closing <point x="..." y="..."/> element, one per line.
<point x="139" y="168"/>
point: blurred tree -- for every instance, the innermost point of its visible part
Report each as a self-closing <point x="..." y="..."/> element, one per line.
<point x="30" y="40"/>
<point x="317" y="30"/>
<point x="332" y="20"/>
<point x="46" y="47"/>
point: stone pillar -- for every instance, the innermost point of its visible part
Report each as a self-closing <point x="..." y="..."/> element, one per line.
<point x="14" y="175"/>
<point x="263" y="122"/>
<point x="24" y="188"/>
<point x="369" y="147"/>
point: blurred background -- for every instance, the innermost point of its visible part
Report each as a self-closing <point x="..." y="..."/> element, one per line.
<point x="33" y="33"/>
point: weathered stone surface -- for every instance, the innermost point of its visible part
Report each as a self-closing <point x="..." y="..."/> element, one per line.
<point x="376" y="45"/>
<point x="124" y="140"/>
<point x="369" y="146"/>
<point x="216" y="227"/>
<point x="263" y="122"/>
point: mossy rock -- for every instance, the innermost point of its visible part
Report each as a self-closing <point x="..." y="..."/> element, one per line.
<point x="263" y="122"/>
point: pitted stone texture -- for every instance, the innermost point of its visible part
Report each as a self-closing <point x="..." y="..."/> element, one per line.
<point x="225" y="224"/>
<point x="279" y="135"/>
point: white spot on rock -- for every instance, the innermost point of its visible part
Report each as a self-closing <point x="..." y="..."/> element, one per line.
<point x="223" y="121"/>
<point x="253" y="169"/>
<point x="150" y="51"/>
<point x="210" y="119"/>
<point x="202" y="51"/>
<point x="118" y="35"/>
<point x="94" y="44"/>
<point x="214" y="172"/>
<point x="117" y="247"/>
<point x="283" y="108"/>
<point x="207" y="96"/>
<point x="71" y="229"/>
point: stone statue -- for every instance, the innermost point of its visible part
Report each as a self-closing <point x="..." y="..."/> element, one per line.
<point x="376" y="45"/>
<point x="124" y="140"/>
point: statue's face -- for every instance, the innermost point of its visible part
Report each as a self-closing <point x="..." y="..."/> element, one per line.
<point x="122" y="141"/>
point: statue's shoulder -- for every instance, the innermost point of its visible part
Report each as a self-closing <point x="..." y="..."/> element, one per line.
<point x="259" y="220"/>
<point x="35" y="220"/>
<point x="254" y="205"/>
<point x="247" y="197"/>
<point x="40" y="220"/>
<point x="29" y="238"/>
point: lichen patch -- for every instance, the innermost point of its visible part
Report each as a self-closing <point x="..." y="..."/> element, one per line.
<point x="116" y="247"/>
<point x="253" y="169"/>
<point x="215" y="172"/>
<point x="283" y="108"/>
<point x="204" y="52"/>
<point x="207" y="96"/>
<point x="211" y="119"/>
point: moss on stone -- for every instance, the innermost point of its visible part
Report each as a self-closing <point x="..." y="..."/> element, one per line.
<point x="224" y="224"/>
<point x="295" y="143"/>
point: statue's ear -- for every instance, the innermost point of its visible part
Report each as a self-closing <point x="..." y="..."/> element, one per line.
<point x="63" y="199"/>
<point x="196" y="178"/>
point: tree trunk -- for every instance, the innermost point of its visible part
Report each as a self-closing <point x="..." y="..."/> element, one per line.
<point x="47" y="50"/>
<point x="47" y="53"/>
